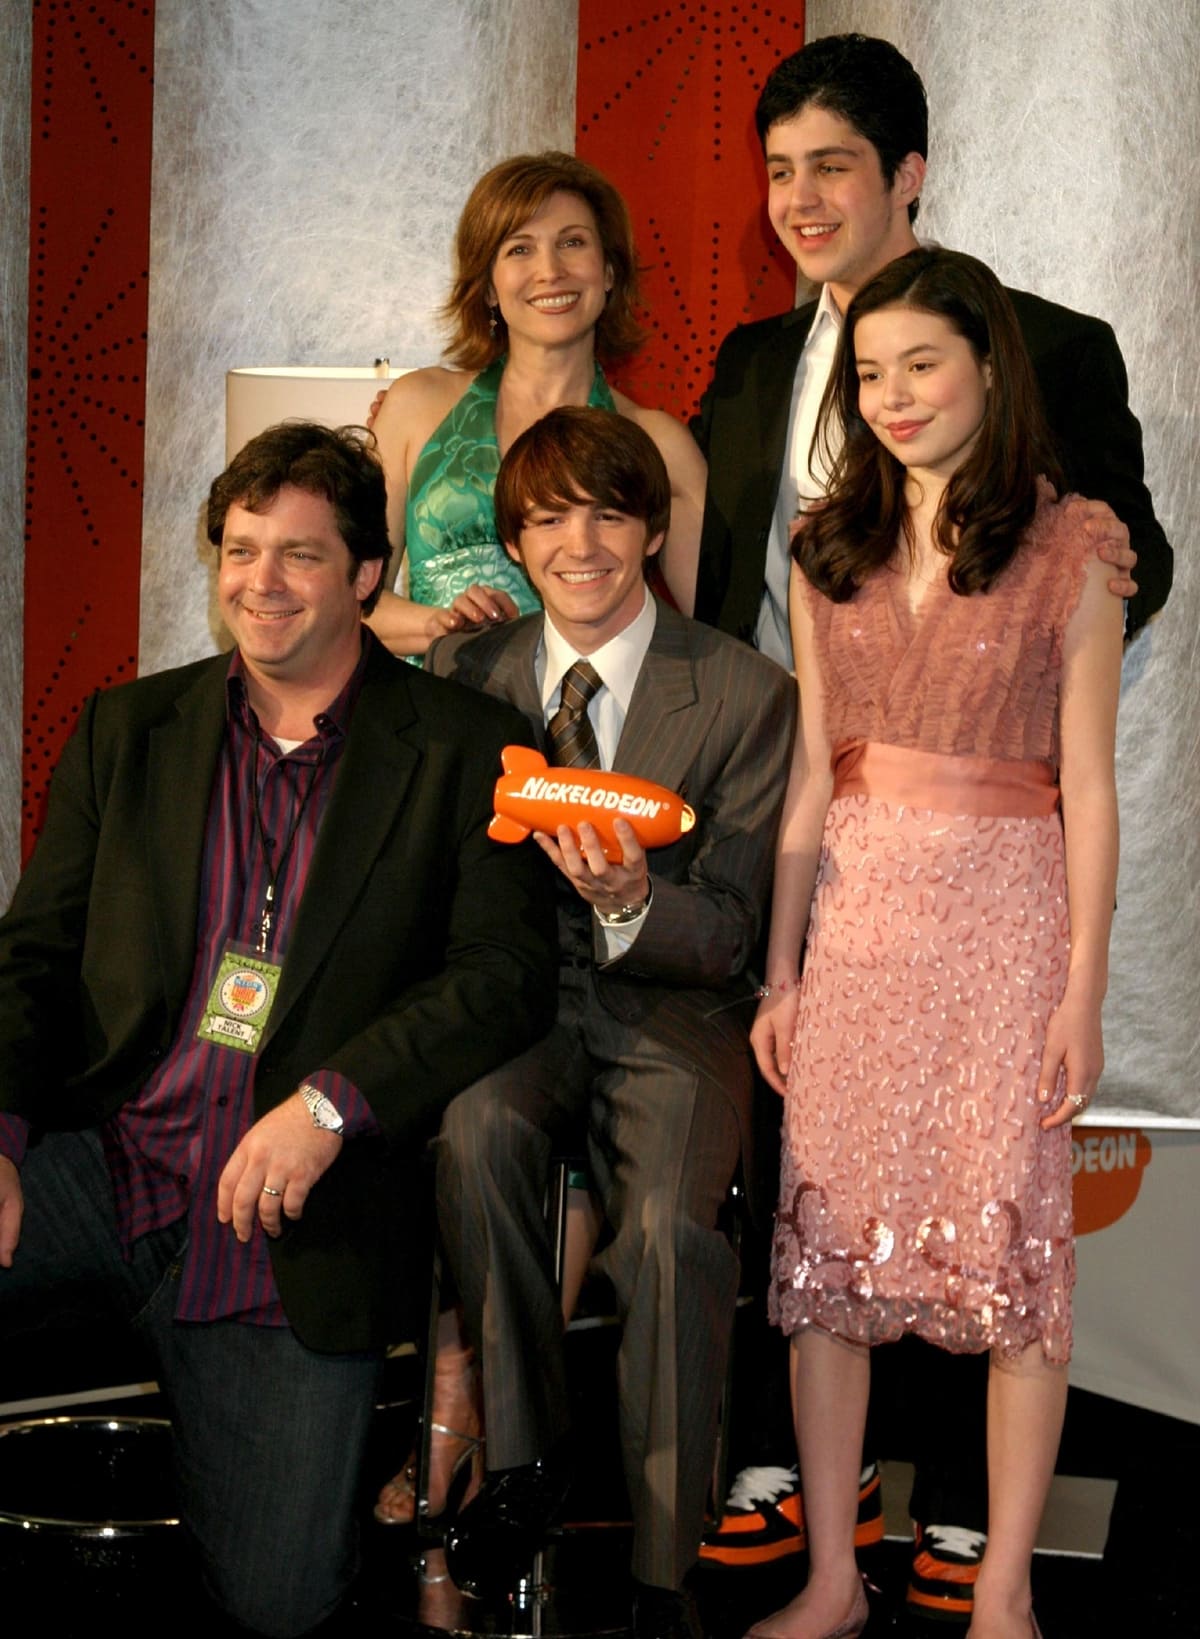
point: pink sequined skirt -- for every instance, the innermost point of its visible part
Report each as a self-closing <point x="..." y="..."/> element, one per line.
<point x="918" y="1192"/>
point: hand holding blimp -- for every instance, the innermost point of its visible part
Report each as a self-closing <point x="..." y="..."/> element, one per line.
<point x="594" y="824"/>
<point x="607" y="885"/>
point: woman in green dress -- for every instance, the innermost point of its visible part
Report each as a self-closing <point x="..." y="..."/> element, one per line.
<point x="545" y="287"/>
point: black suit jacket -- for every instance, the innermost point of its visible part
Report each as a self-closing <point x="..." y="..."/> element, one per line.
<point x="421" y="956"/>
<point x="742" y="428"/>
<point x="714" y="721"/>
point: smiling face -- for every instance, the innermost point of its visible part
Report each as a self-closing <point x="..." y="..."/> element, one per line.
<point x="922" y="390"/>
<point x="586" y="564"/>
<point x="290" y="592"/>
<point x="550" y="279"/>
<point x="829" y="203"/>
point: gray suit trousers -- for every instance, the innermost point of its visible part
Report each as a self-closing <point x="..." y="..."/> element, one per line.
<point x="662" y="1140"/>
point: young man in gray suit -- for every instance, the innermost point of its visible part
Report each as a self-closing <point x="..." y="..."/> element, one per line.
<point x="648" y="1057"/>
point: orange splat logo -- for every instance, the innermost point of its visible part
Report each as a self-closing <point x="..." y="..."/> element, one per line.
<point x="1107" y="1165"/>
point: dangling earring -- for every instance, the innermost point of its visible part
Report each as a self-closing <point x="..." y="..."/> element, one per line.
<point x="492" y="312"/>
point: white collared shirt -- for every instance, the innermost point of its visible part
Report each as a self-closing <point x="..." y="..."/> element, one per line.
<point x="618" y="664"/>
<point x="799" y="484"/>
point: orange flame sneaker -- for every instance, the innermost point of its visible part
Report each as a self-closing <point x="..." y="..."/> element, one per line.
<point x="764" y="1518"/>
<point x="946" y="1561"/>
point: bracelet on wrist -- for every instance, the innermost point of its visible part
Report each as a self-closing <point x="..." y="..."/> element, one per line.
<point x="776" y="987"/>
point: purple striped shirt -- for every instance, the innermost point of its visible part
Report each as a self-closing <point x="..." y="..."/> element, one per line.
<point x="167" y="1147"/>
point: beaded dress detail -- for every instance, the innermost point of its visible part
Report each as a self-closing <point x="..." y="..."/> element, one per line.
<point x="450" y="524"/>
<point x="918" y="1192"/>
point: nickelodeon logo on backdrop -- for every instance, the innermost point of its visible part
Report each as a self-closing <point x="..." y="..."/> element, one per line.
<point x="1106" y="1166"/>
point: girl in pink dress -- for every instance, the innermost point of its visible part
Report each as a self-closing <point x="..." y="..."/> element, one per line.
<point x="958" y="656"/>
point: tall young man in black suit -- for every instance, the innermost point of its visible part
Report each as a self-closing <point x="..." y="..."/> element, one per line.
<point x="843" y="124"/>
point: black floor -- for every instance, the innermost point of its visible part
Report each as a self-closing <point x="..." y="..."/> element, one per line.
<point x="141" y="1585"/>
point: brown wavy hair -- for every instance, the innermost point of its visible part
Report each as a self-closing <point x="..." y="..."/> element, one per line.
<point x="991" y="498"/>
<point x="500" y="202"/>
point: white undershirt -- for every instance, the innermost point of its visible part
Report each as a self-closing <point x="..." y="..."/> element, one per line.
<point x="799" y="485"/>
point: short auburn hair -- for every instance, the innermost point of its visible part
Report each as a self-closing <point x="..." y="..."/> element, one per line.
<point x="503" y="200"/>
<point x="575" y="455"/>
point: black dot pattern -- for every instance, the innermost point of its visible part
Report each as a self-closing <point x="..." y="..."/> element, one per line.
<point x="89" y="252"/>
<point x="665" y="107"/>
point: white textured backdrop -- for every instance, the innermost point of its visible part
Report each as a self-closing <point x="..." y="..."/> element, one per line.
<point x="15" y="56"/>
<point x="310" y="161"/>
<point x="1065" y="152"/>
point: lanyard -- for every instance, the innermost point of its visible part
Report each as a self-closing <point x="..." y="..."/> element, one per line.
<point x="266" y="920"/>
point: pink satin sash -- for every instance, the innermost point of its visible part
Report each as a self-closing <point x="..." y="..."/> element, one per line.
<point x="989" y="786"/>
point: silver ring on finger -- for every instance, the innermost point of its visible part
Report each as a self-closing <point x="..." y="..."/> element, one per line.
<point x="267" y="1190"/>
<point x="1079" y="1100"/>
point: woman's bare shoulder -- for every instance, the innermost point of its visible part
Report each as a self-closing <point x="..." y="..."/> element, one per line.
<point x="413" y="409"/>
<point x="430" y="389"/>
<point x="675" y="443"/>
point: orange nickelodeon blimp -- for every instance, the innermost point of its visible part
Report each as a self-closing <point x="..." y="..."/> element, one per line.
<point x="532" y="797"/>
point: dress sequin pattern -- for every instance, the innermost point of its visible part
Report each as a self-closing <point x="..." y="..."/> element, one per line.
<point x="918" y="1191"/>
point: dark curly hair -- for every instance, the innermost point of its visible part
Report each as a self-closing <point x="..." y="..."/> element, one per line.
<point x="864" y="81"/>
<point x="340" y="466"/>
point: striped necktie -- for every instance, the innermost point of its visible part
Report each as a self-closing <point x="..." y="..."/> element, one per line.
<point x="571" y="734"/>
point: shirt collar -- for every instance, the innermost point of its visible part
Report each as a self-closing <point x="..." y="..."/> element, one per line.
<point x="329" y="725"/>
<point x="826" y="316"/>
<point x="617" y="662"/>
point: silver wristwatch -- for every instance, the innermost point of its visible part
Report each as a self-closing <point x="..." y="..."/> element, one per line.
<point x="626" y="913"/>
<point x="324" y="1113"/>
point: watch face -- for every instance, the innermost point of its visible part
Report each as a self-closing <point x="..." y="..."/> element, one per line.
<point x="323" y="1112"/>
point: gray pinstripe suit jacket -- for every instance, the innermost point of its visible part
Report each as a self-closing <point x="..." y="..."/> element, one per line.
<point x="713" y="720"/>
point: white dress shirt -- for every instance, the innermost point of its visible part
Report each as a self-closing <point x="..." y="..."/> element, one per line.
<point x="618" y="664"/>
<point x="800" y="484"/>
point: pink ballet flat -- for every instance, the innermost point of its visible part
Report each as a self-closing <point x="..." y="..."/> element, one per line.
<point x="853" y="1625"/>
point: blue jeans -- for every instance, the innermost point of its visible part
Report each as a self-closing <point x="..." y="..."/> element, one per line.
<point x="268" y="1436"/>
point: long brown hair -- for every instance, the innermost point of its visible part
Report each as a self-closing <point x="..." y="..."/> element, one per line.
<point x="503" y="200"/>
<point x="992" y="496"/>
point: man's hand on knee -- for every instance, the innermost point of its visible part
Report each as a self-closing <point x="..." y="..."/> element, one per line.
<point x="12" y="1208"/>
<point x="270" y="1173"/>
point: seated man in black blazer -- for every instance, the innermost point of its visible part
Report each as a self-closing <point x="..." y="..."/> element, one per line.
<point x="263" y="940"/>
<point x="843" y="124"/>
<point x="648" y="1058"/>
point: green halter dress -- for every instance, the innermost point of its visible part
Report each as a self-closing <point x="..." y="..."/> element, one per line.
<point x="450" y="526"/>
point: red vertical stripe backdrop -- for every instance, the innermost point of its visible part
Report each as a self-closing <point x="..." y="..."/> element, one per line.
<point x="89" y="232"/>
<point x="665" y="107"/>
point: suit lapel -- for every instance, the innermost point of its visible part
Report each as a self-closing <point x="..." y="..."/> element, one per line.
<point x="181" y="764"/>
<point x="777" y="376"/>
<point x="667" y="717"/>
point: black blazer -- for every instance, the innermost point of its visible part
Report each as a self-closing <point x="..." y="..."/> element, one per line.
<point x="742" y="427"/>
<point x="422" y="955"/>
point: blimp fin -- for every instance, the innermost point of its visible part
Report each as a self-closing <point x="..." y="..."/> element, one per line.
<point x="503" y="829"/>
<point x="522" y="760"/>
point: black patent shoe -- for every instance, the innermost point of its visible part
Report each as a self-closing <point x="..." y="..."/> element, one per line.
<point x="663" y="1613"/>
<point x="489" y="1546"/>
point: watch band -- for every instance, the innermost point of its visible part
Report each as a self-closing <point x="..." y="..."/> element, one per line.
<point x="626" y="913"/>
<point x="323" y="1111"/>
